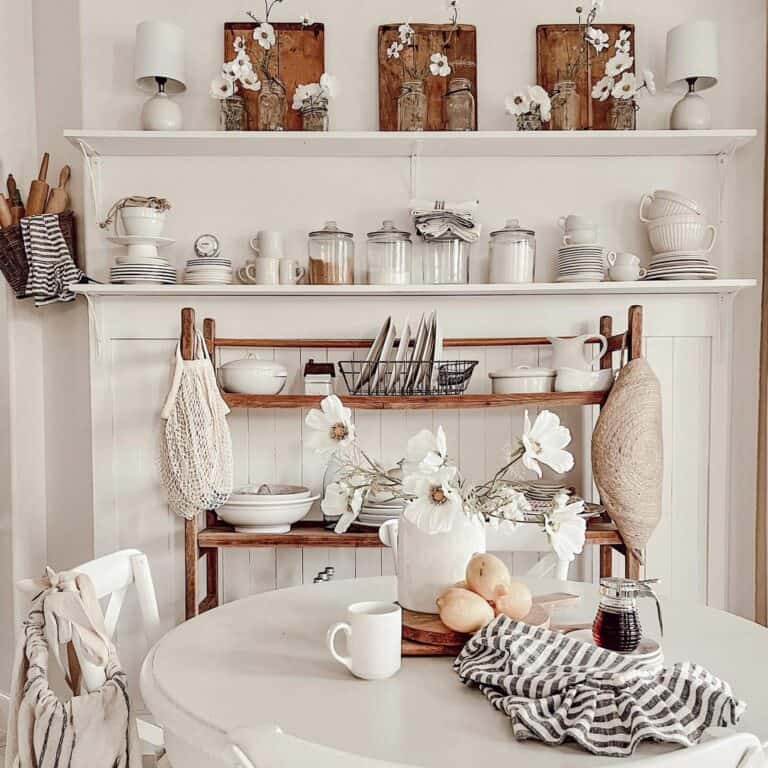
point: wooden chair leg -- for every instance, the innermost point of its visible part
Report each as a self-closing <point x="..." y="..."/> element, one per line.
<point x="606" y="561"/>
<point x="190" y="567"/>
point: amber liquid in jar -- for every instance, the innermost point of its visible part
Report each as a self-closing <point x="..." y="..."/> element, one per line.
<point x="617" y="629"/>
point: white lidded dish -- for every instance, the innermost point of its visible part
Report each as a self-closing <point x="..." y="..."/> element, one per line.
<point x="252" y="376"/>
<point x="522" y="379"/>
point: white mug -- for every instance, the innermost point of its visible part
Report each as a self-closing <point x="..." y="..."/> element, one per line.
<point x="626" y="273"/>
<point x="261" y="271"/>
<point x="617" y="259"/>
<point x="268" y="244"/>
<point x="373" y="633"/>
<point x="291" y="272"/>
<point x="580" y="237"/>
<point x="571" y="222"/>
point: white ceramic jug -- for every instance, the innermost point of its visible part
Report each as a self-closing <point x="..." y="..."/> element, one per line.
<point x="428" y="563"/>
<point x="574" y="353"/>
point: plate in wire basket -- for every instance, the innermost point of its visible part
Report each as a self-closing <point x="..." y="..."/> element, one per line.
<point x="395" y="378"/>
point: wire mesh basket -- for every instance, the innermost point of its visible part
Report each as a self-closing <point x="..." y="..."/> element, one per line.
<point x="419" y="378"/>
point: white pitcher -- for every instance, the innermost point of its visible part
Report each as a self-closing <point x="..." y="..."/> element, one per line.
<point x="574" y="352"/>
<point x="428" y="563"/>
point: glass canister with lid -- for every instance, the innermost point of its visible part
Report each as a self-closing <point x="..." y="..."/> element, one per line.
<point x="390" y="254"/>
<point x="512" y="254"/>
<point x="331" y="256"/>
<point x="446" y="260"/>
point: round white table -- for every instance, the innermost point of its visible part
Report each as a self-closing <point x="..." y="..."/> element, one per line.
<point x="263" y="660"/>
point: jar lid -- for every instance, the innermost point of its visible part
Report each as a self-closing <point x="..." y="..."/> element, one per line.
<point x="253" y="363"/>
<point x="330" y="229"/>
<point x="512" y="227"/>
<point x="390" y="231"/>
<point x="522" y="372"/>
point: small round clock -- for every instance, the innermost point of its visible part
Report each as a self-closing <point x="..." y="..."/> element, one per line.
<point x="207" y="246"/>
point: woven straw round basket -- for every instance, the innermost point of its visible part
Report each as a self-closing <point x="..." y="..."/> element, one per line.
<point x="627" y="455"/>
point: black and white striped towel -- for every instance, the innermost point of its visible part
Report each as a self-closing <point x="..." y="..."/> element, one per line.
<point x="51" y="269"/>
<point x="557" y="689"/>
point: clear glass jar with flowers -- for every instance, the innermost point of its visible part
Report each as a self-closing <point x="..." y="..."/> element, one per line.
<point x="444" y="515"/>
<point x="531" y="107"/>
<point x="236" y="75"/>
<point x="312" y="101"/>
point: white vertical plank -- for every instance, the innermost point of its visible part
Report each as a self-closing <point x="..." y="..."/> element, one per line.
<point x="472" y="422"/>
<point x="367" y="562"/>
<point x="313" y="465"/>
<point x="288" y="571"/>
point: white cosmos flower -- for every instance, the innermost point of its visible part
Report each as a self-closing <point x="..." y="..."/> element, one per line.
<point x="250" y="81"/>
<point x="393" y="52"/>
<point x="332" y="426"/>
<point x="230" y="70"/>
<point x="649" y="81"/>
<point x="597" y="38"/>
<point x="509" y="509"/>
<point x="437" y="503"/>
<point x="618" y="64"/>
<point x="238" y="44"/>
<point x="264" y="35"/>
<point x="428" y="450"/>
<point x="439" y="65"/>
<point x="544" y="442"/>
<point x="406" y="33"/>
<point x="518" y="104"/>
<point x="566" y="527"/>
<point x="626" y="88"/>
<point x="329" y="85"/>
<point x="603" y="88"/>
<point x="344" y="502"/>
<point x="306" y="20"/>
<point x="539" y="96"/>
<point x="222" y="87"/>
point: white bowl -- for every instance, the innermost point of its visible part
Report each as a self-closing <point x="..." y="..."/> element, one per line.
<point x="144" y="222"/>
<point x="681" y="233"/>
<point x="522" y="379"/>
<point x="276" y="517"/>
<point x="663" y="203"/>
<point x="252" y="376"/>
<point x="573" y="380"/>
<point x="267" y="492"/>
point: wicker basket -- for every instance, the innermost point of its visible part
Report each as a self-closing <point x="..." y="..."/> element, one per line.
<point x="13" y="259"/>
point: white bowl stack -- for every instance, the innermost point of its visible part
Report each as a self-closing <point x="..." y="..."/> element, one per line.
<point x="680" y="236"/>
<point x="266" y="508"/>
<point x="208" y="270"/>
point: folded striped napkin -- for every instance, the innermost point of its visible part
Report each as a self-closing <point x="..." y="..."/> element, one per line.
<point x="557" y="689"/>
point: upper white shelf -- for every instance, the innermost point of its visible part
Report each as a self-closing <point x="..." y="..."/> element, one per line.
<point x="478" y="289"/>
<point x="438" y="144"/>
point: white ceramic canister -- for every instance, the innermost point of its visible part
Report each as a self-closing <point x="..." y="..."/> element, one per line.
<point x="522" y="379"/>
<point x="512" y="254"/>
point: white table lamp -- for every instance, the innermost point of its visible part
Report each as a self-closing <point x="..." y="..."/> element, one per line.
<point x="159" y="68"/>
<point x="692" y="60"/>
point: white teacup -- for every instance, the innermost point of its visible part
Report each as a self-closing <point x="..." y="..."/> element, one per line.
<point x="373" y="640"/>
<point x="626" y="273"/>
<point x="571" y="222"/>
<point x="261" y="271"/>
<point x="268" y="244"/>
<point x="618" y="259"/>
<point x="291" y="272"/>
<point x="140" y="222"/>
<point x="580" y="237"/>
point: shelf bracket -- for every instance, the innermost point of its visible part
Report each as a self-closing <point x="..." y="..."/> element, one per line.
<point x="723" y="160"/>
<point x="93" y="165"/>
<point x="414" y="168"/>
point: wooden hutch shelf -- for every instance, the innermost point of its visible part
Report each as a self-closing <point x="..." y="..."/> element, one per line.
<point x="206" y="543"/>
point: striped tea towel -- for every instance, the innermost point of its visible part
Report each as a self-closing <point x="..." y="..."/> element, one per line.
<point x="557" y="689"/>
<point x="51" y="269"/>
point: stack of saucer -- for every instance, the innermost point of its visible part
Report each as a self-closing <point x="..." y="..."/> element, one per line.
<point x="674" y="266"/>
<point x="142" y="262"/>
<point x="374" y="514"/>
<point x="205" y="270"/>
<point x="542" y="492"/>
<point x="580" y="263"/>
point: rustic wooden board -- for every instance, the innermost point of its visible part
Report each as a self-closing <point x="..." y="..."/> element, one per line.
<point x="410" y="648"/>
<point x="461" y="49"/>
<point x="553" y="43"/>
<point x="300" y="59"/>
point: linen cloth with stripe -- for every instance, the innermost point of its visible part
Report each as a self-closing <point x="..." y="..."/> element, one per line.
<point x="92" y="729"/>
<point x="51" y="269"/>
<point x="557" y="689"/>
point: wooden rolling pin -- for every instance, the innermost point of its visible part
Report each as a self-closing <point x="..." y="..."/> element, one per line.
<point x="6" y="219"/>
<point x="14" y="196"/>
<point x="38" y="190"/>
<point x="58" y="202"/>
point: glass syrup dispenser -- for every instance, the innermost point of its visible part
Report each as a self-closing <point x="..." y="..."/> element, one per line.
<point x="617" y="624"/>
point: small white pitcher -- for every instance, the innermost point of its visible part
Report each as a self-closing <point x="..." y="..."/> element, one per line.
<point x="428" y="563"/>
<point x="573" y="352"/>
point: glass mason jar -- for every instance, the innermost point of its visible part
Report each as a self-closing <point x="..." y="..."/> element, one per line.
<point x="512" y="254"/>
<point x="272" y="105"/>
<point x="530" y="121"/>
<point x="412" y="106"/>
<point x="232" y="114"/>
<point x="390" y="254"/>
<point x="566" y="107"/>
<point x="446" y="261"/>
<point x="314" y="118"/>
<point x="331" y="256"/>
<point x="622" y="115"/>
<point x="460" y="105"/>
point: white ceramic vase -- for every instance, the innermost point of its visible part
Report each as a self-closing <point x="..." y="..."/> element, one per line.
<point x="428" y="563"/>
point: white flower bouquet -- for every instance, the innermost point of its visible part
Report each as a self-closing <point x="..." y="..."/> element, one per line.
<point x="434" y="490"/>
<point x="531" y="107"/>
<point x="405" y="49"/>
<point x="618" y="82"/>
<point x="316" y="95"/>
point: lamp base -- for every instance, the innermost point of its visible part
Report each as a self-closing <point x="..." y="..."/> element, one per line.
<point x="691" y="113"/>
<point x="161" y="113"/>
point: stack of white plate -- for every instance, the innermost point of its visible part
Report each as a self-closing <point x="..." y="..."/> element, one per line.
<point x="677" y="265"/>
<point x="580" y="263"/>
<point x="375" y="513"/>
<point x="142" y="262"/>
<point x="540" y="491"/>
<point x="134" y="274"/>
<point x="649" y="652"/>
<point x="208" y="271"/>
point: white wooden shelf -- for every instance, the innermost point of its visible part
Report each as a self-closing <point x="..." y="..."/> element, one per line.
<point x="479" y="289"/>
<point x="438" y="144"/>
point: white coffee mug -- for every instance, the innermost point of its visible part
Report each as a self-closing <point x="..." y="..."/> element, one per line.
<point x="268" y="244"/>
<point x="261" y="271"/>
<point x="291" y="272"/>
<point x="580" y="237"/>
<point x="617" y="259"/>
<point x="571" y="222"/>
<point x="626" y="273"/>
<point x="373" y="633"/>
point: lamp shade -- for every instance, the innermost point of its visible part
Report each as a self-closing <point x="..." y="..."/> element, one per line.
<point x="159" y="53"/>
<point x="692" y="51"/>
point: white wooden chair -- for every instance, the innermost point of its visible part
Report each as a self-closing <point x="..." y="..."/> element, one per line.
<point x="529" y="538"/>
<point x="112" y="576"/>
<point x="736" y="750"/>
